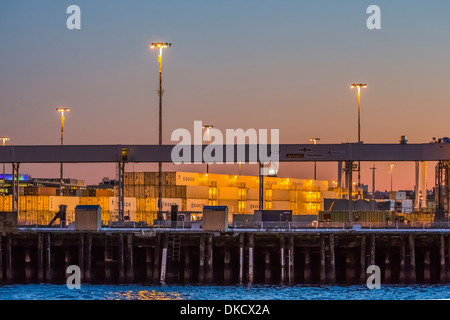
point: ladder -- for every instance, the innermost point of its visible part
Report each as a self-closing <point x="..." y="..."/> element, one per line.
<point x="108" y="247"/>
<point x="175" y="258"/>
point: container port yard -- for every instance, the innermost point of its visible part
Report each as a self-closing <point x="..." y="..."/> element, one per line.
<point x="227" y="229"/>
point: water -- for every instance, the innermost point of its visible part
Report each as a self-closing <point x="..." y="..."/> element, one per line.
<point x="192" y="292"/>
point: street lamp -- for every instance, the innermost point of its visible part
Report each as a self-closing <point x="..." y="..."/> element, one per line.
<point x="359" y="86"/>
<point x="160" y="46"/>
<point x="314" y="141"/>
<point x="4" y="139"/>
<point x="207" y="127"/>
<point x="392" y="168"/>
<point x="62" y="110"/>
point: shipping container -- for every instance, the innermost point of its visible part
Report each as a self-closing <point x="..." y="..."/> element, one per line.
<point x="196" y="192"/>
<point x="227" y="193"/>
<point x="187" y="179"/>
<point x="70" y="202"/>
<point x="39" y="191"/>
<point x="196" y="204"/>
<point x="252" y="194"/>
<point x="281" y="205"/>
<point x="129" y="204"/>
<point x="103" y="193"/>
<point x="233" y="205"/>
<point x="280" y="195"/>
<point x="252" y="206"/>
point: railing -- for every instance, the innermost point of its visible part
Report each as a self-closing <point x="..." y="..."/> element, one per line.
<point x="40" y="220"/>
<point x="292" y="225"/>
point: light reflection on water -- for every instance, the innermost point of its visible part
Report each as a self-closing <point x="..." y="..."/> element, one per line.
<point x="240" y="292"/>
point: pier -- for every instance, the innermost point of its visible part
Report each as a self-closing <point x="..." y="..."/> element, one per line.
<point x="149" y="256"/>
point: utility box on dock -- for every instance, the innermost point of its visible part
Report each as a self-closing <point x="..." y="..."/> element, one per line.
<point x="215" y="218"/>
<point x="273" y="215"/>
<point x="88" y="218"/>
<point x="8" y="221"/>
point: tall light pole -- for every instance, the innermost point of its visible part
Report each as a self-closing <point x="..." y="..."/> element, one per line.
<point x="359" y="86"/>
<point x="4" y="139"/>
<point x="160" y="46"/>
<point x="373" y="179"/>
<point x="392" y="168"/>
<point x="62" y="110"/>
<point x="314" y="141"/>
<point x="207" y="127"/>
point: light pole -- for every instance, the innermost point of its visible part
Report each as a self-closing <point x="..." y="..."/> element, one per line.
<point x="160" y="46"/>
<point x="392" y="168"/>
<point x="4" y="139"/>
<point x="373" y="179"/>
<point x="207" y="127"/>
<point x="359" y="86"/>
<point x="314" y="141"/>
<point x="62" y="110"/>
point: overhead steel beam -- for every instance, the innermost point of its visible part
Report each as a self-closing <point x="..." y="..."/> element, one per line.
<point x="287" y="153"/>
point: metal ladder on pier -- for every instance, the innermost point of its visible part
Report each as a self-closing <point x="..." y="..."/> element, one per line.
<point x="109" y="247"/>
<point x="175" y="256"/>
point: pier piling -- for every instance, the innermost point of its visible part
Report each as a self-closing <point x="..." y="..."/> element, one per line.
<point x="402" y="272"/>
<point x="307" y="270"/>
<point x="48" y="258"/>
<point x="226" y="263"/>
<point x="130" y="258"/>
<point x="264" y="257"/>
<point x="442" y="275"/>
<point x="412" y="259"/>
<point x="291" y="270"/>
<point x="156" y="265"/>
<point x="209" y="259"/>
<point x="9" y="264"/>
<point x="251" y="244"/>
<point x="362" y="260"/>
<point x="201" y="268"/>
<point x="322" y="260"/>
<point x="267" y="266"/>
<point x="332" y="275"/>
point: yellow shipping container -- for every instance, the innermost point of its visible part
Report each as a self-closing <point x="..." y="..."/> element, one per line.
<point x="197" y="192"/>
<point x="6" y="203"/>
<point x="228" y="193"/>
<point x="103" y="202"/>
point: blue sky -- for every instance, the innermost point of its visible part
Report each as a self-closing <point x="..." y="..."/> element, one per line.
<point x="235" y="64"/>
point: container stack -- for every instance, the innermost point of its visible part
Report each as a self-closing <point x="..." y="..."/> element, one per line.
<point x="190" y="191"/>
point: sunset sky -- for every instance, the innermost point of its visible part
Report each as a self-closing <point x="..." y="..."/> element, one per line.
<point x="259" y="64"/>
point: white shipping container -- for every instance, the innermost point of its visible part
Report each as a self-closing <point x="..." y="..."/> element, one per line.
<point x="196" y="204"/>
<point x="70" y="202"/>
<point x="168" y="202"/>
<point x="129" y="204"/>
<point x="228" y="193"/>
<point x="197" y="192"/>
<point x="280" y="195"/>
<point x="280" y="205"/>
<point x="252" y="206"/>
<point x="233" y="205"/>
<point x="252" y="193"/>
<point x="187" y="179"/>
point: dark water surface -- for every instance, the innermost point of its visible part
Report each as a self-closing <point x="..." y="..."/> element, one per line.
<point x="192" y="292"/>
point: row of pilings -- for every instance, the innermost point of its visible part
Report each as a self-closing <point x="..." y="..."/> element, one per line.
<point x="288" y="258"/>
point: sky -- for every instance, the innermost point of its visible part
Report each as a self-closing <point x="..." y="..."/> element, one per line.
<point x="259" y="64"/>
